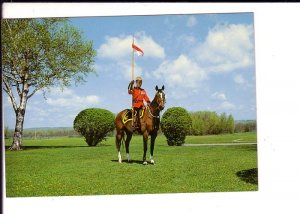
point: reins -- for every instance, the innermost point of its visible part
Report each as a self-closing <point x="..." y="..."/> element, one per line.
<point x="151" y="113"/>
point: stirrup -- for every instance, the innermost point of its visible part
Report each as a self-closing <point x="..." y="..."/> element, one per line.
<point x="134" y="128"/>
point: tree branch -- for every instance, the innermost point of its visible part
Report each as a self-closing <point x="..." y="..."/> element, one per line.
<point x="18" y="89"/>
<point x="7" y="89"/>
<point x="35" y="90"/>
<point x="12" y="78"/>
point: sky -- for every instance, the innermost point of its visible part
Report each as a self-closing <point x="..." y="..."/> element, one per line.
<point x="205" y="61"/>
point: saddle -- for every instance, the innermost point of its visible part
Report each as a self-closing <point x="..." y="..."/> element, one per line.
<point x="127" y="115"/>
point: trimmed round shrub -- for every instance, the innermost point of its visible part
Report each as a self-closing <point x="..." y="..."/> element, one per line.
<point x="94" y="124"/>
<point x="176" y="124"/>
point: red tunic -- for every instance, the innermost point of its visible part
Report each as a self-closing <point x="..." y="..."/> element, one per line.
<point x="139" y="95"/>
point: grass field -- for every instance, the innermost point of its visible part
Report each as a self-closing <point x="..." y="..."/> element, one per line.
<point x="68" y="167"/>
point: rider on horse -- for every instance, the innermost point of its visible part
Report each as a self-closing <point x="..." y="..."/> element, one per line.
<point x="139" y="95"/>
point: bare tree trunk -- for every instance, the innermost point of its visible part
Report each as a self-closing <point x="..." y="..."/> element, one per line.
<point x="20" y="115"/>
<point x="17" y="143"/>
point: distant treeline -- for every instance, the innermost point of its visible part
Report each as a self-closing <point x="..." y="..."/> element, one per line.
<point x="245" y="126"/>
<point x="203" y="123"/>
<point x="43" y="133"/>
<point x="211" y="123"/>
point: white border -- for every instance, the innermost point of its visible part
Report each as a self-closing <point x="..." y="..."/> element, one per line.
<point x="277" y="41"/>
<point x="25" y="10"/>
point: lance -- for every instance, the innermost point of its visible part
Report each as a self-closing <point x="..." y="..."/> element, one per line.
<point x="132" y="73"/>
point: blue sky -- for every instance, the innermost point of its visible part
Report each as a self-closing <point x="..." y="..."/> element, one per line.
<point x="205" y="62"/>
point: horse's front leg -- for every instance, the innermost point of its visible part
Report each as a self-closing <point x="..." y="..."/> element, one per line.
<point x="145" y="139"/>
<point x="153" y="137"/>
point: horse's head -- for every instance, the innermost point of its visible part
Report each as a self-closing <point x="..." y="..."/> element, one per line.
<point x="160" y="97"/>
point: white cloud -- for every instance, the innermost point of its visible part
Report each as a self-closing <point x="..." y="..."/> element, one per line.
<point x="180" y="72"/>
<point x="223" y="102"/>
<point x="92" y="99"/>
<point x="149" y="46"/>
<point x="69" y="99"/>
<point x="239" y="79"/>
<point x="126" y="70"/>
<point x="180" y="94"/>
<point x="191" y="22"/>
<point x="38" y="111"/>
<point x="226" y="48"/>
<point x="187" y="39"/>
<point x="59" y="108"/>
<point x="117" y="48"/>
<point x="73" y="101"/>
<point x="226" y="105"/>
<point x="219" y="96"/>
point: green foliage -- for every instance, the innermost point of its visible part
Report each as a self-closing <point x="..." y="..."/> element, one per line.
<point x="6" y="132"/>
<point x="245" y="126"/>
<point x="230" y="124"/>
<point x="210" y="123"/>
<point x="94" y="124"/>
<point x="47" y="51"/>
<point x="176" y="123"/>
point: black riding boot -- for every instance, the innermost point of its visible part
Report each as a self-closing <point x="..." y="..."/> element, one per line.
<point x="136" y="118"/>
<point x="134" y="123"/>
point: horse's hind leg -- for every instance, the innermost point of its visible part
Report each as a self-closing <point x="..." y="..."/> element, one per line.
<point x="119" y="136"/>
<point x="127" y="142"/>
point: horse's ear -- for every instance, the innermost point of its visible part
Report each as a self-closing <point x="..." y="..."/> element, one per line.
<point x="163" y="87"/>
<point x="156" y="88"/>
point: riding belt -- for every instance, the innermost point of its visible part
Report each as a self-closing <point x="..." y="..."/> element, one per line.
<point x="137" y="101"/>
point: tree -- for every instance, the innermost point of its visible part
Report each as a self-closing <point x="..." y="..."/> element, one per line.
<point x="208" y="122"/>
<point x="223" y="123"/>
<point x="6" y="132"/>
<point x="197" y="123"/>
<point x="176" y="124"/>
<point x="38" y="54"/>
<point x="245" y="126"/>
<point x="230" y="124"/>
<point x="94" y="124"/>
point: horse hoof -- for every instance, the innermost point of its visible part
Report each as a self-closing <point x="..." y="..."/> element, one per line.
<point x="152" y="161"/>
<point x="128" y="157"/>
<point x="145" y="163"/>
<point x="120" y="161"/>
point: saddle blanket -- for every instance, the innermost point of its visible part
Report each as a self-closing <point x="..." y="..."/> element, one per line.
<point x="127" y="116"/>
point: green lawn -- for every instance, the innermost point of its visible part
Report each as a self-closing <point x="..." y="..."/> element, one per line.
<point x="224" y="138"/>
<point x="68" y="167"/>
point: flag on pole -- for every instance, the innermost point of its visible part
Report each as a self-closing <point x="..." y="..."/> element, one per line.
<point x="138" y="50"/>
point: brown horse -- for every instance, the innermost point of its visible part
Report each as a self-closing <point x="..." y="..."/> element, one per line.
<point x="149" y="125"/>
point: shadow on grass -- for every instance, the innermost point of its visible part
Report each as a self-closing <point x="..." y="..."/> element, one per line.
<point x="131" y="161"/>
<point x="57" y="147"/>
<point x="249" y="176"/>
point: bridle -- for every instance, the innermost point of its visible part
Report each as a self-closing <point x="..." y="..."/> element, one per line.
<point x="149" y="109"/>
